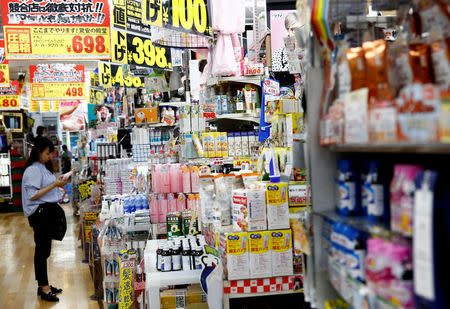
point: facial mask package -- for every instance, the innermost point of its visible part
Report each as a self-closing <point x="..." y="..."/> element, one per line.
<point x="260" y="257"/>
<point x="235" y="245"/>
<point x="277" y="206"/>
<point x="281" y="251"/>
<point x="249" y="213"/>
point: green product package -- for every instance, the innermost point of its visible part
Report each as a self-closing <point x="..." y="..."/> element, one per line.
<point x="187" y="220"/>
<point x="174" y="225"/>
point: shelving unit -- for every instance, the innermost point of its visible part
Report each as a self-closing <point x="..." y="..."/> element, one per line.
<point x="171" y="104"/>
<point x="239" y="117"/>
<point x="255" y="80"/>
<point x="433" y="148"/>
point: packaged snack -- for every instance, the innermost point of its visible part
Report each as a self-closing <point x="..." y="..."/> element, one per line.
<point x="356" y="116"/>
<point x="357" y="65"/>
<point x="399" y="68"/>
<point x="444" y="131"/>
<point x="419" y="57"/>
<point x="250" y="180"/>
<point x="260" y="256"/>
<point x="383" y="122"/>
<point x="376" y="69"/>
<point x="441" y="63"/>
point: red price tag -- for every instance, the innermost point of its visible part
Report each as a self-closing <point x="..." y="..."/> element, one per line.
<point x="88" y="44"/>
<point x="6" y="102"/>
<point x="74" y="92"/>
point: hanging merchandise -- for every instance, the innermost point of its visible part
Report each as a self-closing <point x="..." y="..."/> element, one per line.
<point x="282" y="25"/>
<point x="51" y="30"/>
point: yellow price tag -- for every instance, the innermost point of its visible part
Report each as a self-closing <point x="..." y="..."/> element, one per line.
<point x="119" y="47"/>
<point x="104" y="72"/>
<point x="51" y="91"/>
<point x="34" y="106"/>
<point x="9" y="102"/>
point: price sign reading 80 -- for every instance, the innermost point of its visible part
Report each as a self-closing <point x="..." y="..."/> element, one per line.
<point x="8" y="102"/>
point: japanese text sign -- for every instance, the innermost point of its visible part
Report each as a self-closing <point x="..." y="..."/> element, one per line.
<point x="4" y="66"/>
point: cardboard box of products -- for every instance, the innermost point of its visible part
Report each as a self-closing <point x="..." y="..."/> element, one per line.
<point x="234" y="253"/>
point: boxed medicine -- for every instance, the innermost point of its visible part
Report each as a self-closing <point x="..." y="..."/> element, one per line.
<point x="249" y="210"/>
<point x="260" y="256"/>
<point x="281" y="251"/>
<point x="231" y="147"/>
<point x="237" y="144"/>
<point x="174" y="225"/>
<point x="223" y="136"/>
<point x="277" y="206"/>
<point x="234" y="251"/>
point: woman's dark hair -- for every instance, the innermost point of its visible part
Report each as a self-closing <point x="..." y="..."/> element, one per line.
<point x="40" y="144"/>
<point x="40" y="130"/>
<point x="201" y="65"/>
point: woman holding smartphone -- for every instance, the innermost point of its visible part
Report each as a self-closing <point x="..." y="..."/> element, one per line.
<point x="40" y="193"/>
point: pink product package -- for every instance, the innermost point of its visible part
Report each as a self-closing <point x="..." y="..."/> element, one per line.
<point x="164" y="178"/>
<point x="176" y="180"/>
<point x="155" y="176"/>
<point x="154" y="208"/>
<point x="191" y="202"/>
<point x="402" y="198"/>
<point x="194" y="179"/>
<point x="181" y="202"/>
<point x="163" y="208"/>
<point x="387" y="268"/>
<point x="186" y="179"/>
<point x="171" y="202"/>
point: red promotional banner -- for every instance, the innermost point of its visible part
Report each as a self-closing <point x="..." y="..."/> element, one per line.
<point x="4" y="66"/>
<point x="57" y="73"/>
<point x="10" y="96"/>
<point x="56" y="29"/>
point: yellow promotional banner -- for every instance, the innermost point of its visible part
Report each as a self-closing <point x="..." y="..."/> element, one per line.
<point x="96" y="97"/>
<point x="44" y="106"/>
<point x="34" y="106"/>
<point x="52" y="91"/>
<point x="57" y="43"/>
<point x="9" y="102"/>
<point x="181" y="15"/>
<point x="4" y="75"/>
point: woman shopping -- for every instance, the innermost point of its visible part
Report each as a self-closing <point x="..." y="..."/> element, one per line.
<point x="40" y="195"/>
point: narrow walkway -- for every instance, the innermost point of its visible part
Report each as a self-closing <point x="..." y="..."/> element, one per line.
<point x="66" y="270"/>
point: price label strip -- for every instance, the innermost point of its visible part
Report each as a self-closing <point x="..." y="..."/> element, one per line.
<point x="138" y="50"/>
<point x="52" y="91"/>
<point x="111" y="74"/>
<point x="9" y="102"/>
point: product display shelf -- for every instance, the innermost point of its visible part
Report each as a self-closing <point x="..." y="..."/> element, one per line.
<point x="425" y="148"/>
<point x="255" y="80"/>
<point x="156" y="280"/>
<point x="160" y="124"/>
<point x="138" y="228"/>
<point x="241" y="117"/>
<point x="359" y="223"/>
<point x="349" y="288"/>
<point x="171" y="104"/>
<point x="256" y="288"/>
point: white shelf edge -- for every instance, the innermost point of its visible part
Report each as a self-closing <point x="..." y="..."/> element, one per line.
<point x="171" y="104"/>
<point x="242" y="117"/>
<point x="254" y="79"/>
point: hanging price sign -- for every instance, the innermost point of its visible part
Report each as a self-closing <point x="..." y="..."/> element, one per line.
<point x="96" y="97"/>
<point x="54" y="29"/>
<point x="190" y="16"/>
<point x="10" y="96"/>
<point x="4" y="66"/>
<point x="111" y="74"/>
<point x="138" y="50"/>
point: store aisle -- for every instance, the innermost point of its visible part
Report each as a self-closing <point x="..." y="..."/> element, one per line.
<point x="66" y="270"/>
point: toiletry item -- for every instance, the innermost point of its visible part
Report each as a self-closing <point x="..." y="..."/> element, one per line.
<point x="348" y="188"/>
<point x="194" y="178"/>
<point x="186" y="174"/>
<point x="166" y="255"/>
<point x="277" y="206"/>
<point x="237" y="144"/>
<point x="174" y="225"/>
<point x="176" y="259"/>
<point x="176" y="183"/>
<point x="235" y="246"/>
<point x="163" y="207"/>
<point x="186" y="256"/>
<point x="224" y="142"/>
<point x="374" y="192"/>
<point x="249" y="210"/>
<point x="260" y="255"/>
<point x="231" y="144"/>
<point x="240" y="102"/>
<point x="245" y="144"/>
<point x="181" y="202"/>
<point x="281" y="251"/>
<point x="171" y="202"/>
